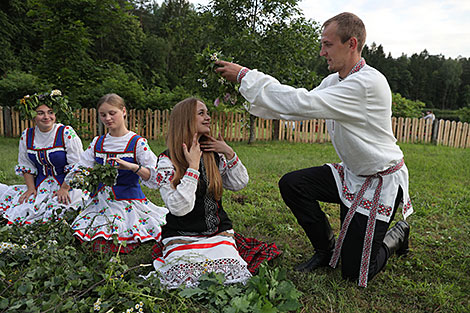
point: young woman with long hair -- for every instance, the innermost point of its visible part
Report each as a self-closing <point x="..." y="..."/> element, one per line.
<point x="198" y="237"/>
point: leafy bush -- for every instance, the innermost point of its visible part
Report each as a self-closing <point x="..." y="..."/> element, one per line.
<point x="451" y="115"/>
<point x="111" y="79"/>
<point x="160" y="99"/>
<point x="464" y="114"/>
<point x="402" y="107"/>
<point x="17" y="84"/>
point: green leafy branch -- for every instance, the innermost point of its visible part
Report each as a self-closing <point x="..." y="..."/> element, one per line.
<point x="90" y="179"/>
<point x="212" y="85"/>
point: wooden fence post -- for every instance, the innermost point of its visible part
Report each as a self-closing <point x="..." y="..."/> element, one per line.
<point x="8" y="123"/>
<point x="467" y="141"/>
<point x="400" y="129"/>
<point x="458" y="133"/>
<point x="414" y="130"/>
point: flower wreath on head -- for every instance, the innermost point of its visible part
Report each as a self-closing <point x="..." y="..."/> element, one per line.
<point x="54" y="100"/>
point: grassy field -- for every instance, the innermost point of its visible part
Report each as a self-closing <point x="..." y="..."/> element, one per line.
<point x="434" y="277"/>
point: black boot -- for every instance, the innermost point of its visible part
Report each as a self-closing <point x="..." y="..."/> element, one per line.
<point x="396" y="238"/>
<point x="321" y="257"/>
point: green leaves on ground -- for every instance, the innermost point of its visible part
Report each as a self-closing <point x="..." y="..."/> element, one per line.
<point x="267" y="292"/>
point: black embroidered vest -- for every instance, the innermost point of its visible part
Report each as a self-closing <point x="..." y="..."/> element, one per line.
<point x="207" y="217"/>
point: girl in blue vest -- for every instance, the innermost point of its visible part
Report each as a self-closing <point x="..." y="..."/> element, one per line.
<point x="46" y="153"/>
<point x="130" y="216"/>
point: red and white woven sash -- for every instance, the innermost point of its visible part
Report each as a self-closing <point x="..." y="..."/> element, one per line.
<point x="366" y="250"/>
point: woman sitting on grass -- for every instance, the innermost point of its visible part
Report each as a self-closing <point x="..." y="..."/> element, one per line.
<point x="198" y="237"/>
<point x="126" y="215"/>
<point x="46" y="153"/>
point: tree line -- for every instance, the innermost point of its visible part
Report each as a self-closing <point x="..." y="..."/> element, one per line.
<point x="150" y="53"/>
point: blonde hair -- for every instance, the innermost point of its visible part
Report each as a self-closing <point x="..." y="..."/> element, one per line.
<point x="112" y="99"/>
<point x="181" y="130"/>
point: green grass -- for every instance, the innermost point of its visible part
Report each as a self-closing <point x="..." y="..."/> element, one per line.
<point x="434" y="277"/>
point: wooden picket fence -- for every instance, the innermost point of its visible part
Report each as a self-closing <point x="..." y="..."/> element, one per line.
<point x="235" y="127"/>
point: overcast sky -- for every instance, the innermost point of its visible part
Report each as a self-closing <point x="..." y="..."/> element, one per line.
<point x="406" y="26"/>
<point x="403" y="26"/>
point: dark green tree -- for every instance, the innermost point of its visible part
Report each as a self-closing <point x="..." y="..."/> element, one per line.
<point x="270" y="35"/>
<point x="18" y="41"/>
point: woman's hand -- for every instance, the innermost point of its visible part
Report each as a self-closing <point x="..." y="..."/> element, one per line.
<point x="122" y="164"/>
<point x="138" y="169"/>
<point x="31" y="188"/>
<point x="63" y="194"/>
<point x="193" y="155"/>
<point x="27" y="194"/>
<point x="218" y="145"/>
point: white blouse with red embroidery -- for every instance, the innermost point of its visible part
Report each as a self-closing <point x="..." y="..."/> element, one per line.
<point x="180" y="201"/>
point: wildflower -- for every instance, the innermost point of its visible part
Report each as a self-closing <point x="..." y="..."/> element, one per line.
<point x="204" y="85"/>
<point x="216" y="102"/>
<point x="56" y="92"/>
<point x="24" y="247"/>
<point x="221" y="80"/>
<point x="97" y="305"/>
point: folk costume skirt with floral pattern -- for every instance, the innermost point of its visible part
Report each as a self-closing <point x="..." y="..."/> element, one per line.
<point x="186" y="258"/>
<point x="130" y="221"/>
<point x="42" y="207"/>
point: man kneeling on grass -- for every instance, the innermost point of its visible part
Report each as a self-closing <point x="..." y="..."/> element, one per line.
<point x="371" y="180"/>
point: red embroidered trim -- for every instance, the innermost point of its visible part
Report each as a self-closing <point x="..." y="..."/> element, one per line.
<point x="242" y="74"/>
<point x="191" y="174"/>
<point x="232" y="164"/>
<point x="365" y="204"/>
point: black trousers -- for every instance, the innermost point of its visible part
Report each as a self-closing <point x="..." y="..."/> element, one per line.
<point x="301" y="191"/>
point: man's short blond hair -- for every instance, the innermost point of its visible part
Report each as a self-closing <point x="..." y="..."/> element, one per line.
<point x="349" y="25"/>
